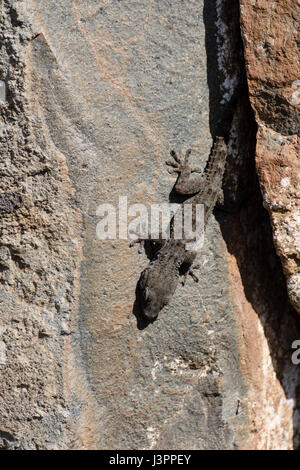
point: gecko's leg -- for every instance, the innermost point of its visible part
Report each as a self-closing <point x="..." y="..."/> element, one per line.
<point x="184" y="185"/>
<point x="189" y="259"/>
<point x="191" y="273"/>
<point x="158" y="243"/>
<point x="140" y="242"/>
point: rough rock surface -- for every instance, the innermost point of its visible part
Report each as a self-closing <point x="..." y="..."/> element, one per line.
<point x="96" y="96"/>
<point x="273" y="71"/>
<point x="38" y="256"/>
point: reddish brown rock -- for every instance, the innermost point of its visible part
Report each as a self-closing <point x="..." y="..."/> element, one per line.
<point x="270" y="32"/>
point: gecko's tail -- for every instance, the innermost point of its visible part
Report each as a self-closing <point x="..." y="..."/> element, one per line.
<point x="217" y="158"/>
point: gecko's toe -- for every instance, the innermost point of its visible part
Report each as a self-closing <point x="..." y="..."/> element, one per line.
<point x="197" y="265"/>
<point x="139" y="242"/>
<point x="187" y="155"/>
<point x="173" y="170"/>
<point x="171" y="163"/>
<point x="175" y="156"/>
<point x="193" y="275"/>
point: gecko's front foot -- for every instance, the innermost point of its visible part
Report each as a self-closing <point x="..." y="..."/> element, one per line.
<point x="191" y="272"/>
<point x="157" y="243"/>
<point x="140" y="242"/>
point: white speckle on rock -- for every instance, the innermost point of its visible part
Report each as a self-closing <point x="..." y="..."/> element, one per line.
<point x="152" y="436"/>
<point x="296" y="95"/>
<point x="230" y="82"/>
<point x="291" y="227"/>
<point x="177" y="366"/>
<point x="293" y="285"/>
<point x="2" y="91"/>
<point x="2" y="352"/>
<point x="285" y="182"/>
<point x="157" y="367"/>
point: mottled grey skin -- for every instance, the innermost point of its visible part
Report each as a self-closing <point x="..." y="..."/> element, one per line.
<point x="159" y="280"/>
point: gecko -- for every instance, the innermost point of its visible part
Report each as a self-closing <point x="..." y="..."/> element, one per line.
<point x="158" y="281"/>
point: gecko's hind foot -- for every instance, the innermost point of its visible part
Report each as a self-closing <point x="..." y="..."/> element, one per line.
<point x="178" y="165"/>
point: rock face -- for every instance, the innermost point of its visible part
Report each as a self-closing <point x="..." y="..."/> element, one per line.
<point x="93" y="98"/>
<point x="38" y="256"/>
<point x="273" y="71"/>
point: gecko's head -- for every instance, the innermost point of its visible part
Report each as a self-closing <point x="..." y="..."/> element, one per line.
<point x="154" y="291"/>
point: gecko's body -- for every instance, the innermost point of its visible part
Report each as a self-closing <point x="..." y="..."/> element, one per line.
<point x="159" y="280"/>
